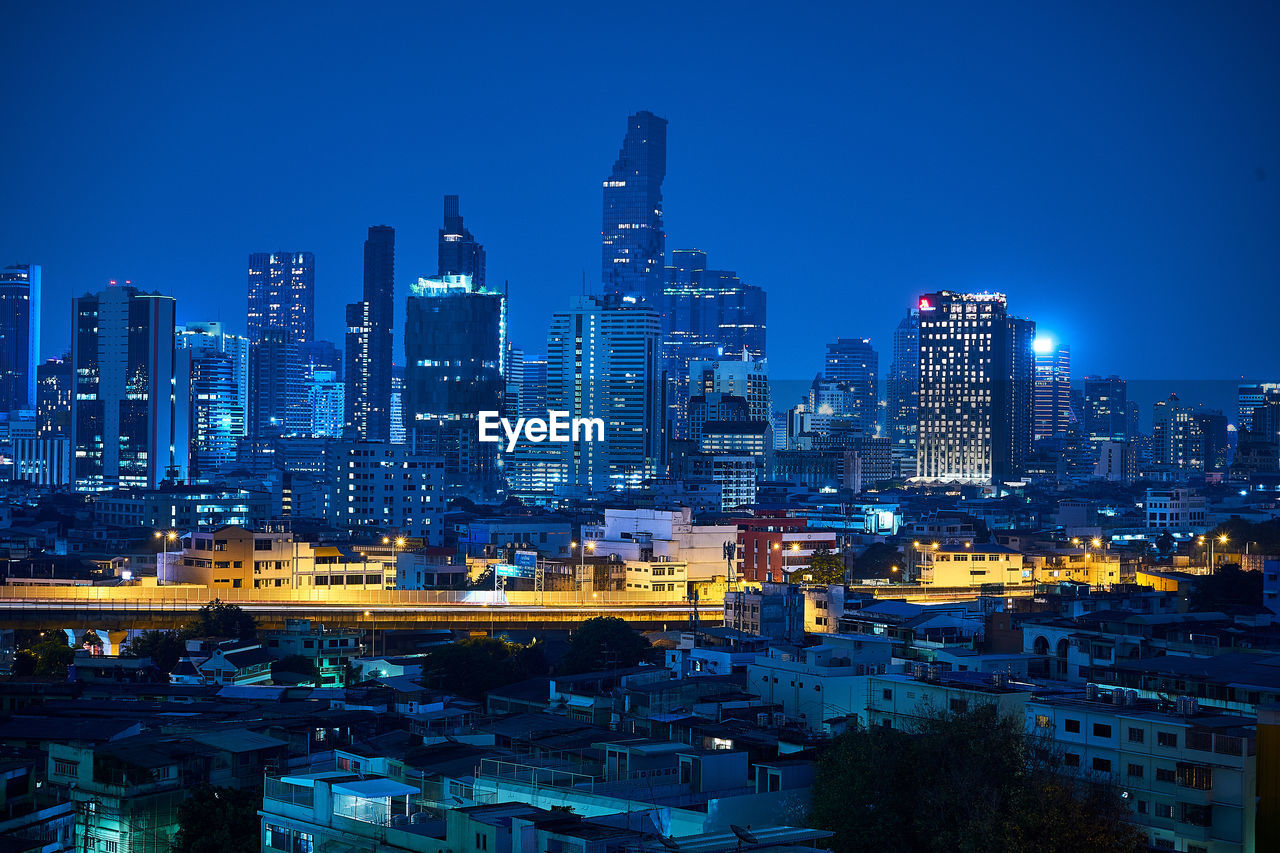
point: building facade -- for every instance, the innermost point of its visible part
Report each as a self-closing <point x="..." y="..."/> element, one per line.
<point x="20" y="287"/>
<point x="633" y="243"/>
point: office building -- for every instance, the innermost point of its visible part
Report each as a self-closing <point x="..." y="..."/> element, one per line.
<point x="976" y="389"/>
<point x="736" y="377"/>
<point x="369" y="340"/>
<point x="633" y="243"/>
<point x="706" y="315"/>
<point x="1251" y="398"/>
<point x="326" y="401"/>
<point x="278" y="393"/>
<point x="902" y="388"/>
<point x="854" y="364"/>
<point x="282" y="288"/>
<point x="1053" y="414"/>
<point x="53" y="397"/>
<point x="1106" y="409"/>
<point x="320" y="355"/>
<point x="459" y="253"/>
<point x="392" y="488"/>
<point x="19" y="336"/>
<point x="533" y="386"/>
<point x="123" y="414"/>
<point x="602" y="362"/>
<point x="398" y="432"/>
<point x="210" y="338"/>
<point x="216" y="418"/>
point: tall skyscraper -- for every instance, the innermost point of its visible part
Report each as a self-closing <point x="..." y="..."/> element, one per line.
<point x="1171" y="433"/>
<point x="321" y="355"/>
<point x="123" y="412"/>
<point x="19" y="336"/>
<point x="903" y="393"/>
<point x="326" y="396"/>
<point x="215" y="416"/>
<point x="1106" y="409"/>
<point x="855" y="365"/>
<point x="735" y="377"/>
<point x="602" y="362"/>
<point x="369" y="338"/>
<point x="533" y="386"/>
<point x="1053" y="413"/>
<point x="976" y="388"/>
<point x="633" y="242"/>
<point x="278" y="402"/>
<point x="455" y="348"/>
<point x="210" y="338"/>
<point x="53" y="398"/>
<point x="459" y="253"/>
<point x="1249" y="398"/>
<point x="706" y="315"/>
<point x="282" y="293"/>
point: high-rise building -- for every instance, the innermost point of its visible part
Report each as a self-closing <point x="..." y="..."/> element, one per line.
<point x="533" y="386"/>
<point x="976" y="389"/>
<point x="455" y="348"/>
<point x="706" y="315"/>
<point x="216" y="417"/>
<point x="398" y="432"/>
<point x="1053" y="412"/>
<point x="633" y="242"/>
<point x="459" y="252"/>
<point x="19" y="336"/>
<point x="53" y="398"/>
<point x="278" y="391"/>
<point x="123" y="413"/>
<point x="321" y="355"/>
<point x="1250" y="397"/>
<point x="735" y="377"/>
<point x="397" y="489"/>
<point x="513" y="380"/>
<point x="282" y="293"/>
<point x="326" y="400"/>
<point x="369" y="339"/>
<point x="209" y="338"/>
<point x="602" y="362"/>
<point x="855" y="365"/>
<point x="1171" y="434"/>
<point x="903" y="393"/>
<point x="1106" y="409"/>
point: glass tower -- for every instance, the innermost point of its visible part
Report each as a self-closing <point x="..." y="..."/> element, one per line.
<point x="282" y="287"/>
<point x="459" y="253"/>
<point x="633" y="243"/>
<point x="369" y="338"/>
<point x="19" y="336"/>
<point x="903" y="391"/>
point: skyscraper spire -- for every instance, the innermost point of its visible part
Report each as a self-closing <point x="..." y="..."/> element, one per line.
<point x="459" y="252"/>
<point x="633" y="245"/>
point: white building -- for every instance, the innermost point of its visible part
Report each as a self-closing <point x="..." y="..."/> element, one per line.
<point x="1174" y="509"/>
<point x="821" y="683"/>
<point x="391" y="487"/>
<point x="639" y="535"/>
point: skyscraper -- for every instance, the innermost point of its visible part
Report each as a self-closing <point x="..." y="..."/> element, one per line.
<point x="706" y="315"/>
<point x="459" y="252"/>
<point x="1106" y="409"/>
<point x="282" y="293"/>
<point x="1052" y="390"/>
<point x="455" y="347"/>
<point x="602" y="362"/>
<point x="1249" y="398"/>
<point x="19" y="336"/>
<point x="53" y="398"/>
<point x="209" y="338"/>
<point x="976" y="389"/>
<point x="326" y="402"/>
<point x="633" y="242"/>
<point x="903" y="393"/>
<point x="533" y="386"/>
<point x="855" y="365"/>
<point x="369" y="338"/>
<point x="216" y="418"/>
<point x="123" y="412"/>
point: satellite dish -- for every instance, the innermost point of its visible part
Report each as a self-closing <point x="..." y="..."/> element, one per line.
<point x="743" y="834"/>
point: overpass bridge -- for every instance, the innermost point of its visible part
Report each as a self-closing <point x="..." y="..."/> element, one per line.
<point x="125" y="608"/>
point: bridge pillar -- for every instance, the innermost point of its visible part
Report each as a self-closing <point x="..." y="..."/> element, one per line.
<point x="113" y="641"/>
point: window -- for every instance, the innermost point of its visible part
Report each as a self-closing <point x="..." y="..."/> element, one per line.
<point x="111" y="847"/>
<point x="1142" y="806"/>
<point x="1043" y="721"/>
<point x="1169" y="739"/>
<point x="1166" y="774"/>
<point x="888" y="694"/>
<point x="1101" y="730"/>
<point x="1195" y="776"/>
<point x="1102" y="765"/>
<point x="304" y="842"/>
<point x="1164" y="810"/>
<point x="958" y="706"/>
<point x="1071" y="759"/>
<point x="1072" y="726"/>
<point x="482" y="841"/>
<point x="277" y="837"/>
<point x="1135" y="770"/>
<point x="1135" y="735"/>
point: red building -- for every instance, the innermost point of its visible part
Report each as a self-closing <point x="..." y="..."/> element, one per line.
<point x="772" y="548"/>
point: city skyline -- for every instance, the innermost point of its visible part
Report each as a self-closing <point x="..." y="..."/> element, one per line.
<point x="1111" y="221"/>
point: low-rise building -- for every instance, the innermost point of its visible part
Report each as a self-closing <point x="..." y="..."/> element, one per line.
<point x="966" y="564"/>
<point x="824" y="683"/>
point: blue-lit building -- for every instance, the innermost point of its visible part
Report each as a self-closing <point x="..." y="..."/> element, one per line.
<point x="458" y="252"/>
<point x="215" y="365"/>
<point x="854" y="365"/>
<point x="326" y="398"/>
<point x="706" y="315"/>
<point x="902" y="389"/>
<point x="19" y="336"/>
<point x="369" y="340"/>
<point x="633" y="242"/>
<point x="282" y="293"/>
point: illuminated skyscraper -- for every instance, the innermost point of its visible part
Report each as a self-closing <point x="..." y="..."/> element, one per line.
<point x="326" y="403"/>
<point x="19" y="336"/>
<point x="369" y="338"/>
<point x="855" y="365"/>
<point x="282" y="293"/>
<point x="455" y="337"/>
<point x="459" y="252"/>
<point x="1053" y="412"/>
<point x="278" y="399"/>
<point x="123" y="413"/>
<point x="602" y="362"/>
<point x="1106" y="409"/>
<point x="903" y="392"/>
<point x="633" y="242"/>
<point x="706" y="315"/>
<point x="53" y="398"/>
<point x="976" y="389"/>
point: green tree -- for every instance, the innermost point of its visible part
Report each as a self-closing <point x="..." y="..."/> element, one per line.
<point x="1227" y="587"/>
<point x="604" y="642"/>
<point x="473" y="667"/>
<point x="219" y="619"/>
<point x="50" y="656"/>
<point x="297" y="665"/>
<point x="1165" y="543"/>
<point x="971" y="782"/>
<point x="218" y="820"/>
<point x="878" y="561"/>
<point x="825" y="567"/>
<point x="165" y="648"/>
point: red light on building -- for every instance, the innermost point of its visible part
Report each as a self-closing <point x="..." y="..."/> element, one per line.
<point x="925" y="304"/>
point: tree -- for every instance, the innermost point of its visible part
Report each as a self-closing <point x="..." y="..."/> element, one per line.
<point x="297" y="665"/>
<point x="1226" y="588"/>
<point x="878" y="561"/>
<point x="1164" y="544"/>
<point x="219" y="619"/>
<point x="165" y="648"/>
<point x="968" y="782"/>
<point x="218" y="820"/>
<point x="604" y="642"/>
<point x="50" y="656"/>
<point x="472" y="668"/>
<point x="825" y="567"/>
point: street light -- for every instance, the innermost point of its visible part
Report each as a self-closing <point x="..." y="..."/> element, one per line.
<point x="165" y="539"/>
<point x="1221" y="540"/>
<point x="373" y="633"/>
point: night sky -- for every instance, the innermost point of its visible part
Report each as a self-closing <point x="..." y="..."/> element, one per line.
<point x="1115" y="171"/>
